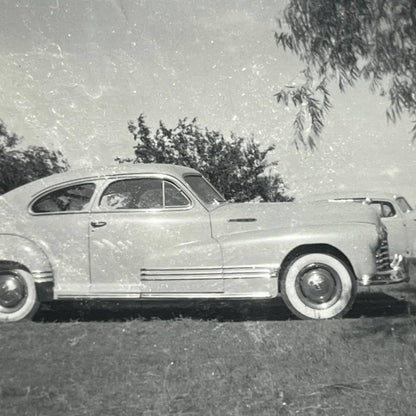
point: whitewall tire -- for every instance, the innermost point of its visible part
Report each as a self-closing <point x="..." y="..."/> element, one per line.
<point x="18" y="298"/>
<point x="318" y="286"/>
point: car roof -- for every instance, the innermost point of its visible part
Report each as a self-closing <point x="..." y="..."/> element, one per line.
<point x="354" y="194"/>
<point x="97" y="172"/>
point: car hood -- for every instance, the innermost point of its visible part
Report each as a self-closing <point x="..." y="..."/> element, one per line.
<point x="293" y="214"/>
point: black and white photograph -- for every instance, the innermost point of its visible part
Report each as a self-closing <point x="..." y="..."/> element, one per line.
<point x="206" y="207"/>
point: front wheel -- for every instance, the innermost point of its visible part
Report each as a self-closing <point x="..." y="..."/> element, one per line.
<point x="318" y="286"/>
<point x="18" y="298"/>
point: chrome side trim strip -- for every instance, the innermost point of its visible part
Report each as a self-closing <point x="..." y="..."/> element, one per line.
<point x="46" y="280"/>
<point x="180" y="274"/>
<point x="42" y="276"/>
<point x="172" y="296"/>
<point x="107" y="295"/>
<point x="243" y="272"/>
<point x="250" y="273"/>
<point x="258" y="295"/>
<point x="242" y="220"/>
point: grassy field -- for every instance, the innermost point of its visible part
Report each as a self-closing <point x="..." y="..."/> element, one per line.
<point x="203" y="359"/>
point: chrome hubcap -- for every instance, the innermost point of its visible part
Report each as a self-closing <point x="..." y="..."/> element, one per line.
<point x="318" y="285"/>
<point x="12" y="290"/>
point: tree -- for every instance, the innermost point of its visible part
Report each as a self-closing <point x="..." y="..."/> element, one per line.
<point x="347" y="40"/>
<point x="19" y="166"/>
<point x="236" y="167"/>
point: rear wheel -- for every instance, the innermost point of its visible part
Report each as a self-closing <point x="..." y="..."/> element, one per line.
<point x="318" y="286"/>
<point x="17" y="295"/>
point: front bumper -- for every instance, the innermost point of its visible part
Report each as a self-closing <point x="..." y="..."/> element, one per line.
<point x="398" y="273"/>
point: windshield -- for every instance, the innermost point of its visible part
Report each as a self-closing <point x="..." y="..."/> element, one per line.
<point x="205" y="191"/>
<point x="403" y="204"/>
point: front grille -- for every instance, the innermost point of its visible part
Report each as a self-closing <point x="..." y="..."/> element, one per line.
<point x="382" y="256"/>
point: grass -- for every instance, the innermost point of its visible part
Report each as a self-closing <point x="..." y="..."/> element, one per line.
<point x="202" y="359"/>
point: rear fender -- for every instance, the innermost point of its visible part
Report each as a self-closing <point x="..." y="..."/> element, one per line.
<point x="18" y="251"/>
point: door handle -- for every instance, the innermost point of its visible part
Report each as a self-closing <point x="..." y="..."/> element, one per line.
<point x="97" y="224"/>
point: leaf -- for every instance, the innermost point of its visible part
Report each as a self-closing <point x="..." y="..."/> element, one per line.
<point x="346" y="41"/>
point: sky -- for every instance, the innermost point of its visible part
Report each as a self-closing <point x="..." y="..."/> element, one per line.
<point x="73" y="73"/>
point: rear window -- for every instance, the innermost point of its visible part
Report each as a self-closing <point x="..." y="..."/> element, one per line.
<point x="384" y="209"/>
<point x="404" y="205"/>
<point x="72" y="198"/>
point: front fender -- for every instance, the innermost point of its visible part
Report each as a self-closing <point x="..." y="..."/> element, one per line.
<point x="19" y="250"/>
<point x="357" y="242"/>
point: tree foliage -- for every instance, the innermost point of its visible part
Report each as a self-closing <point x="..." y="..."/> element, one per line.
<point x="19" y="166"/>
<point x="343" y="41"/>
<point x="235" y="166"/>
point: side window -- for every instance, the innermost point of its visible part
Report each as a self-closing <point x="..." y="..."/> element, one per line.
<point x="384" y="209"/>
<point x="133" y="194"/>
<point x="142" y="194"/>
<point x="151" y="194"/>
<point x="174" y="197"/>
<point x="71" y="198"/>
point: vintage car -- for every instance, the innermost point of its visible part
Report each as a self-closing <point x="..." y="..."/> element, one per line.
<point x="396" y="214"/>
<point x="152" y="231"/>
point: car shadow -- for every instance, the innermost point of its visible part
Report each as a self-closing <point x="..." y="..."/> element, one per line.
<point x="367" y="305"/>
<point x="372" y="305"/>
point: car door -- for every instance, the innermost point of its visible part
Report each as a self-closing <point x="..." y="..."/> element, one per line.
<point x="410" y="221"/>
<point x="396" y="226"/>
<point x="59" y="224"/>
<point x="149" y="238"/>
<point x="409" y="217"/>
